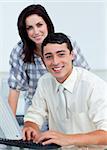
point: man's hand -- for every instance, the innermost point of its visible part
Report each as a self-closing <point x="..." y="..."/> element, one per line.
<point x="31" y="131"/>
<point x="49" y="137"/>
<point x="98" y="137"/>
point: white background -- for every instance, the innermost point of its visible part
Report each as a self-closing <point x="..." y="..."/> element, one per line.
<point x="85" y="21"/>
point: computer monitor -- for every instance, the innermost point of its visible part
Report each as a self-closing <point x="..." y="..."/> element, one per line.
<point x="9" y="127"/>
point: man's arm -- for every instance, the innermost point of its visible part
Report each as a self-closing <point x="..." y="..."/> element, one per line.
<point x="98" y="137"/>
<point x="13" y="99"/>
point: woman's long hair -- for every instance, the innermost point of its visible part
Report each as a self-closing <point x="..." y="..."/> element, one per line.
<point x="29" y="45"/>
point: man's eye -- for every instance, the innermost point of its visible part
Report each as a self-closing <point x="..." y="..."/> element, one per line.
<point x="62" y="54"/>
<point x="48" y="57"/>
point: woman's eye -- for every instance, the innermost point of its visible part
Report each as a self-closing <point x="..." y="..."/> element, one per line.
<point x="29" y="28"/>
<point x="39" y="24"/>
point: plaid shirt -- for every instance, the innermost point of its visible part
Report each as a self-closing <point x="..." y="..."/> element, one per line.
<point x="20" y="72"/>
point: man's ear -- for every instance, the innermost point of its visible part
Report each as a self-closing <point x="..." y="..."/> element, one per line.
<point x="43" y="60"/>
<point x="72" y="55"/>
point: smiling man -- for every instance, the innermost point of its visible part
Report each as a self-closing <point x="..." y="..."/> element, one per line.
<point x="58" y="58"/>
<point x="77" y="115"/>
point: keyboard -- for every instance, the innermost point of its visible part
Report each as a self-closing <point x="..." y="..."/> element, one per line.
<point x="28" y="144"/>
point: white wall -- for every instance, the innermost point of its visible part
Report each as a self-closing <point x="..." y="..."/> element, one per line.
<point x="85" y="21"/>
<point x="106" y="31"/>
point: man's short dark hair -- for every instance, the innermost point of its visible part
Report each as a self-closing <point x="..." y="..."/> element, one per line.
<point x="57" y="38"/>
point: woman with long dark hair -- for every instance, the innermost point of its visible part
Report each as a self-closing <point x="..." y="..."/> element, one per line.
<point x="26" y="63"/>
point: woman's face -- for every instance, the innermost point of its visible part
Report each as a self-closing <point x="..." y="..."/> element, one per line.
<point x="36" y="28"/>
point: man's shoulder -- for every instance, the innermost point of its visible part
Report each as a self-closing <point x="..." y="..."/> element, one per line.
<point x="46" y="77"/>
<point x="47" y="82"/>
<point x="89" y="76"/>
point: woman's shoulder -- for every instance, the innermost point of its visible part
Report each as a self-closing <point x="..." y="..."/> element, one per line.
<point x="73" y="42"/>
<point x="18" y="48"/>
<point x="16" y="53"/>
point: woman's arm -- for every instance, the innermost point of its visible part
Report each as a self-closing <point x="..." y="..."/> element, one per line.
<point x="13" y="99"/>
<point x="17" y="78"/>
<point x="79" y="59"/>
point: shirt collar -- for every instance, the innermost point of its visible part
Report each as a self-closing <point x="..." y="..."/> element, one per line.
<point x="69" y="83"/>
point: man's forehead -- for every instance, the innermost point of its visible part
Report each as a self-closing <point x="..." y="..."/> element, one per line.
<point x="55" y="46"/>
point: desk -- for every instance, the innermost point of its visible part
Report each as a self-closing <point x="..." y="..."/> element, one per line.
<point x="92" y="147"/>
<point x="3" y="147"/>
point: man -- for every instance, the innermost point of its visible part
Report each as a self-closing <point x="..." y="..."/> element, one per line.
<point x="78" y="115"/>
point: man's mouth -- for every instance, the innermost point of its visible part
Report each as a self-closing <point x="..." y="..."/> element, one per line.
<point x="57" y="69"/>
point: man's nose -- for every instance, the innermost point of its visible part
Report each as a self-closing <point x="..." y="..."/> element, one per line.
<point x="55" y="60"/>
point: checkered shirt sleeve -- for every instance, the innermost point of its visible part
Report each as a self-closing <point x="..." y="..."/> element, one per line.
<point x="20" y="72"/>
<point x="79" y="59"/>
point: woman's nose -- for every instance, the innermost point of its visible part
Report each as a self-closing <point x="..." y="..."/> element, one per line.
<point x="36" y="30"/>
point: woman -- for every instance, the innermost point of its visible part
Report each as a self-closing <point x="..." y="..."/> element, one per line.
<point x="26" y="62"/>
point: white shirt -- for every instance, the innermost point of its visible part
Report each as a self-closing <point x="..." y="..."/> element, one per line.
<point x="86" y="103"/>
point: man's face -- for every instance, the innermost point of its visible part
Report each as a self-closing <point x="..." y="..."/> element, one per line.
<point x="58" y="60"/>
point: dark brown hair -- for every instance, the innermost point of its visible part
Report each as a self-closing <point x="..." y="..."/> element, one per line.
<point x="29" y="45"/>
<point x="57" y="38"/>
